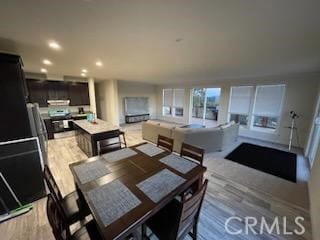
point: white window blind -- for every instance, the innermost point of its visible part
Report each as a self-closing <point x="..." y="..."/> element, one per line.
<point x="268" y="100"/>
<point x="167" y="97"/>
<point x="178" y="98"/>
<point x="240" y="99"/>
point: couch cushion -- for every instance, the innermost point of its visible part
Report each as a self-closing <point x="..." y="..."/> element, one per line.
<point x="229" y="124"/>
<point x="168" y="125"/>
<point x="153" y="122"/>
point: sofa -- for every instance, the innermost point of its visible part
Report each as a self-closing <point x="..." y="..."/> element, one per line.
<point x="210" y="139"/>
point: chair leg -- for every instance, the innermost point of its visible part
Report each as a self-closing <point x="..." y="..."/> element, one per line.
<point x="124" y="140"/>
<point x="143" y="232"/>
<point x="195" y="231"/>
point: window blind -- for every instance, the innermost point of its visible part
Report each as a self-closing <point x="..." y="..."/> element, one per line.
<point x="167" y="97"/>
<point x="178" y="98"/>
<point x="240" y="99"/>
<point x="268" y="100"/>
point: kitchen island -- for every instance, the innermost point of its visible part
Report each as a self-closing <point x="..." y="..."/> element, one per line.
<point x="89" y="134"/>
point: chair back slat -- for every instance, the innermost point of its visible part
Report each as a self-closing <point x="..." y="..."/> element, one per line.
<point x="56" y="218"/>
<point x="192" y="152"/>
<point x="165" y="142"/>
<point x="190" y="211"/>
<point x="112" y="143"/>
<point x="51" y="183"/>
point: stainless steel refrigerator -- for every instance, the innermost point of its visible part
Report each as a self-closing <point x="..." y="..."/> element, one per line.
<point x="38" y="129"/>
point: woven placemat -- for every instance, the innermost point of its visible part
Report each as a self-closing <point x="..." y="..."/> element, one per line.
<point x="161" y="184"/>
<point x="90" y="171"/>
<point x="150" y="149"/>
<point x="112" y="200"/>
<point x="119" y="155"/>
<point x="178" y="163"/>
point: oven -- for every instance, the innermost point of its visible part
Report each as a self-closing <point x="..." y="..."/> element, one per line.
<point x="61" y="124"/>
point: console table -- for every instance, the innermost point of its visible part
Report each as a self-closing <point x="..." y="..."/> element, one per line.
<point x="137" y="118"/>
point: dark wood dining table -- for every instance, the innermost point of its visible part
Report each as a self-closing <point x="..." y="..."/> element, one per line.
<point x="131" y="171"/>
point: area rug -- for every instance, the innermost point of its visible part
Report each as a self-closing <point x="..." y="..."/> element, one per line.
<point x="272" y="161"/>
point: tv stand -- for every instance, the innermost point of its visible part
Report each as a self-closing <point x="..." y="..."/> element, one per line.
<point x="137" y="118"/>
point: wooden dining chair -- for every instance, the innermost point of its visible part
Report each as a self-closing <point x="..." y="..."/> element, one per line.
<point x="165" y="142"/>
<point x="60" y="226"/>
<point x="192" y="152"/>
<point x="70" y="204"/>
<point x="115" y="141"/>
<point x="177" y="219"/>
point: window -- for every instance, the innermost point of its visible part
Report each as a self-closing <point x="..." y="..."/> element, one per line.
<point x="267" y="107"/>
<point x="167" y="102"/>
<point x="178" y="101"/>
<point x="205" y="106"/>
<point x="260" y="111"/>
<point x="173" y="101"/>
<point x="240" y="103"/>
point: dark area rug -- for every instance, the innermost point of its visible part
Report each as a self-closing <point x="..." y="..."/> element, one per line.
<point x="276" y="162"/>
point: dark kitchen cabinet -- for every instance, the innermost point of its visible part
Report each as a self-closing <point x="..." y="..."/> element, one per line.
<point x="78" y="93"/>
<point x="49" y="127"/>
<point x="57" y="90"/>
<point x="41" y="91"/>
<point x="38" y="90"/>
<point x="14" y="121"/>
<point x="84" y="141"/>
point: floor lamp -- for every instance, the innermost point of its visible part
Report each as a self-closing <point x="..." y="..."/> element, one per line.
<point x="293" y="128"/>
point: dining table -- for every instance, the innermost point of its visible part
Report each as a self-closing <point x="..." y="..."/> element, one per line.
<point x="123" y="189"/>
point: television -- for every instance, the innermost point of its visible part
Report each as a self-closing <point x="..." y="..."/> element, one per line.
<point x="136" y="106"/>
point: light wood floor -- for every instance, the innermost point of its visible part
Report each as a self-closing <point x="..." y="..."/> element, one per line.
<point x="224" y="198"/>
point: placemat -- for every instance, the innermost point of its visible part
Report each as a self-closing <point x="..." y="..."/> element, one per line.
<point x="160" y="184"/>
<point x="90" y="171"/>
<point x="150" y="149"/>
<point x="112" y="200"/>
<point x="119" y="154"/>
<point x="178" y="163"/>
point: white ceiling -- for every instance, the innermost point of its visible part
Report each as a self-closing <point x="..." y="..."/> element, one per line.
<point x="136" y="39"/>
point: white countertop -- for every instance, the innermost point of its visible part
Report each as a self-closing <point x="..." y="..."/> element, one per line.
<point x="100" y="127"/>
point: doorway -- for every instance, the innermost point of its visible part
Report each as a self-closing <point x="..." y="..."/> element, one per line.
<point x="205" y="106"/>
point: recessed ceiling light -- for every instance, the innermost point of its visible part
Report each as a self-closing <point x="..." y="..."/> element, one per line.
<point x="99" y="63"/>
<point x="84" y="70"/>
<point x="43" y="70"/>
<point x="54" y="45"/>
<point x="47" y="62"/>
<point x="83" y="74"/>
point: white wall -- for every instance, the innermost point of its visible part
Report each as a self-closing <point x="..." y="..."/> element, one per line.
<point x="301" y="93"/>
<point x="136" y="89"/>
<point x="92" y="95"/>
<point x="107" y="101"/>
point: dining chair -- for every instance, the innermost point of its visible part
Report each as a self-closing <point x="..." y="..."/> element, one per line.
<point x="60" y="226"/>
<point x="193" y="152"/>
<point x="177" y="219"/>
<point x="70" y="204"/>
<point x="165" y="142"/>
<point x="113" y="142"/>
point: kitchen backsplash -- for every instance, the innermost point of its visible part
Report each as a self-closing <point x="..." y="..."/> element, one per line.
<point x="73" y="109"/>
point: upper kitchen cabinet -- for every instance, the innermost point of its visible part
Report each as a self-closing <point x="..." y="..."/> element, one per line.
<point x="38" y="91"/>
<point x="78" y="93"/>
<point x="14" y="123"/>
<point x="57" y="90"/>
